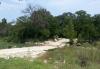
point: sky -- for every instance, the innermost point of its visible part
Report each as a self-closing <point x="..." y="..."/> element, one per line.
<point x="11" y="9"/>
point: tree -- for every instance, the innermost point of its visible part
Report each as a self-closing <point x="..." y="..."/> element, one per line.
<point x="54" y="27"/>
<point x="4" y="21"/>
<point x="35" y="26"/>
<point x="30" y="9"/>
<point x="96" y="22"/>
<point x="84" y="26"/>
<point x="69" y="31"/>
<point x="64" y="20"/>
<point x="40" y="21"/>
<point x="3" y="27"/>
<point x="22" y="30"/>
<point x="40" y="24"/>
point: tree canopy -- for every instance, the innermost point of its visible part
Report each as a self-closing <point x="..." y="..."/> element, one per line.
<point x="40" y="24"/>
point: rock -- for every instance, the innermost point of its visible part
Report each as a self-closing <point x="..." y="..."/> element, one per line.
<point x="45" y="61"/>
<point x="75" y="40"/>
<point x="55" y="40"/>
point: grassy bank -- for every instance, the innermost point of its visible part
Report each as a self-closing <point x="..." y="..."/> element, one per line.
<point x="74" y="58"/>
<point x="64" y="58"/>
<point x="18" y="63"/>
<point x="4" y="44"/>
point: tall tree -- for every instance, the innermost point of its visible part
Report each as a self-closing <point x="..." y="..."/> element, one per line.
<point x="84" y="25"/>
<point x="69" y="31"/>
<point x="40" y="20"/>
<point x="64" y="20"/>
<point x="96" y="22"/>
<point x="4" y="21"/>
<point x="3" y="27"/>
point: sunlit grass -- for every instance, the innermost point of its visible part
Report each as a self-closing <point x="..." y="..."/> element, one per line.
<point x="62" y="58"/>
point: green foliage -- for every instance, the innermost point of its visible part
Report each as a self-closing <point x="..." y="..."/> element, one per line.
<point x="4" y="21"/>
<point x="73" y="57"/>
<point x="41" y="25"/>
<point x="4" y="44"/>
<point x="4" y="27"/>
<point x="84" y="26"/>
<point x="69" y="31"/>
<point x="62" y="58"/>
<point x="34" y="27"/>
<point x="54" y="27"/>
<point x="45" y="33"/>
<point x="18" y="63"/>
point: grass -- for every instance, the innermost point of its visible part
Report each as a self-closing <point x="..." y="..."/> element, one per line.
<point x="18" y="63"/>
<point x="62" y="58"/>
<point x="4" y="44"/>
<point x="73" y="58"/>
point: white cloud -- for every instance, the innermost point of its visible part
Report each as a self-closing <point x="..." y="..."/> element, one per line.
<point x="56" y="7"/>
<point x="12" y="5"/>
<point x="60" y="6"/>
<point x="11" y="9"/>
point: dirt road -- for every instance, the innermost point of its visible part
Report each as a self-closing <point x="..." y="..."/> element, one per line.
<point x="32" y="52"/>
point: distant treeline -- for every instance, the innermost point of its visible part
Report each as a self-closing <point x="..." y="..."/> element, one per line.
<point x="38" y="23"/>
